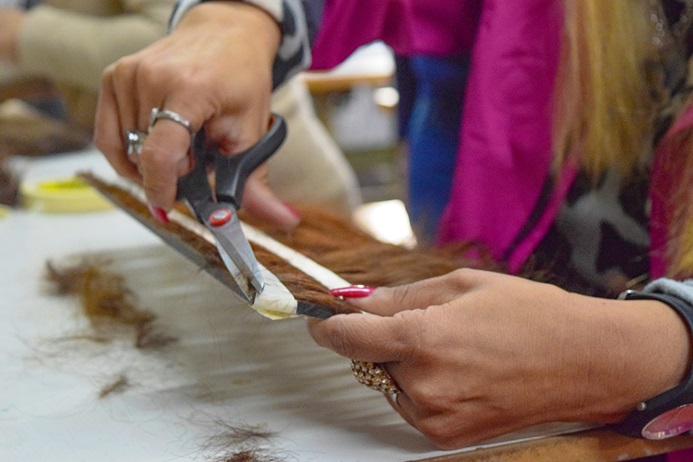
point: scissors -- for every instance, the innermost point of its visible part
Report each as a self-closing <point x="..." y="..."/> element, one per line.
<point x="217" y="209"/>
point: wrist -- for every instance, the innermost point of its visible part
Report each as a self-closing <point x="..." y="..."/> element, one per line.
<point x="670" y="412"/>
<point x="259" y="24"/>
<point x="631" y="351"/>
<point x="241" y="24"/>
<point x="658" y="348"/>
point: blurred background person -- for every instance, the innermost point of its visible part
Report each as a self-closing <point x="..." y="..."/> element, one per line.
<point x="431" y="80"/>
<point x="68" y="44"/>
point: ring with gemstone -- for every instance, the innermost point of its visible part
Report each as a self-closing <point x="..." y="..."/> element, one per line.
<point x="375" y="377"/>
<point x="134" y="140"/>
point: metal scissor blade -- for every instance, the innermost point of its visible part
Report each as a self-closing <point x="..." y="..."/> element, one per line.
<point x="235" y="249"/>
<point x="244" y="289"/>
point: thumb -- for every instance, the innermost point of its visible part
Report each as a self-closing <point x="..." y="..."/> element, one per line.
<point x="261" y="202"/>
<point x="364" y="337"/>
<point x="387" y="301"/>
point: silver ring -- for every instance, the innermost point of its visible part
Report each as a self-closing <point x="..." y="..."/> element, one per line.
<point x="375" y="377"/>
<point x="157" y="114"/>
<point x="134" y="140"/>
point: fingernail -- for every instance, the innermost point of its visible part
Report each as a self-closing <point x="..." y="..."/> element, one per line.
<point x="159" y="214"/>
<point x="292" y="210"/>
<point x="352" y="291"/>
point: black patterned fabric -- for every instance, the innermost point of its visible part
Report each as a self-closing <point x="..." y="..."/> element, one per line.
<point x="599" y="240"/>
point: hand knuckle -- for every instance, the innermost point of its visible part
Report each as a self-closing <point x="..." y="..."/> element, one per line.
<point x="433" y="429"/>
<point x="415" y="335"/>
<point x="342" y="341"/>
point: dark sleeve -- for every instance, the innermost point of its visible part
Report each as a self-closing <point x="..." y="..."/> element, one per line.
<point x="313" y="11"/>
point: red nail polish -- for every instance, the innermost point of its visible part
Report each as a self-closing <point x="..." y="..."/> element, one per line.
<point x="159" y="214"/>
<point x="352" y="291"/>
<point x="293" y="210"/>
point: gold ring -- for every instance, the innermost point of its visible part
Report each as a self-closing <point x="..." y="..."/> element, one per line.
<point x="375" y="377"/>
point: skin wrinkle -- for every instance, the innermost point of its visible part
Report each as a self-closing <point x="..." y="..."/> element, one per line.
<point x="422" y="338"/>
<point x="564" y="351"/>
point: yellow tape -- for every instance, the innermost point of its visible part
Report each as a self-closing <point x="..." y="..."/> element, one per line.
<point x="4" y="211"/>
<point x="68" y="195"/>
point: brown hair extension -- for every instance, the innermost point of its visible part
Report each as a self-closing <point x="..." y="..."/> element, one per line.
<point x="119" y="385"/>
<point x="250" y="455"/>
<point x="329" y="239"/>
<point x="106" y="301"/>
<point x="338" y="244"/>
<point x="25" y="131"/>
<point x="248" y="439"/>
<point x="301" y="285"/>
<point x="9" y="185"/>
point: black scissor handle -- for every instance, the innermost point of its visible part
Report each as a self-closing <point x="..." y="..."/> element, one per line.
<point x="233" y="171"/>
<point x="194" y="187"/>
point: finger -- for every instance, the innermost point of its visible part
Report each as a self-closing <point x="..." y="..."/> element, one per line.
<point x="237" y="134"/>
<point x="164" y="159"/>
<point x="166" y="153"/>
<point x="404" y="407"/>
<point x="387" y="301"/>
<point x="108" y="131"/>
<point x="365" y="337"/>
<point x="261" y="202"/>
<point x="124" y="77"/>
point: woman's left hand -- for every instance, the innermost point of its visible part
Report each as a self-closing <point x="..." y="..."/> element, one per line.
<point x="479" y="354"/>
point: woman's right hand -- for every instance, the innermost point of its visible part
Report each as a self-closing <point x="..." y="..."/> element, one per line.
<point x="215" y="70"/>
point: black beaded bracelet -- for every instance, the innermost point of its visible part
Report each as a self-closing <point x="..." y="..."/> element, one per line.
<point x="670" y="413"/>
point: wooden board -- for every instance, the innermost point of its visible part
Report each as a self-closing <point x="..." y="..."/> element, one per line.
<point x="588" y="446"/>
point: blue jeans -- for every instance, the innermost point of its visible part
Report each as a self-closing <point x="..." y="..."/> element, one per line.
<point x="431" y="102"/>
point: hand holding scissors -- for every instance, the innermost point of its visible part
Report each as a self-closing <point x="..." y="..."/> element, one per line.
<point x="216" y="207"/>
<point x="198" y="73"/>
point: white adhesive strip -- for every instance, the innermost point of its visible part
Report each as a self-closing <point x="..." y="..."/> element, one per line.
<point x="275" y="301"/>
<point x="318" y="272"/>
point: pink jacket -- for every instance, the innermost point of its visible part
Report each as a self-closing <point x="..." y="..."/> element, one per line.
<point x="505" y="153"/>
<point x="442" y="27"/>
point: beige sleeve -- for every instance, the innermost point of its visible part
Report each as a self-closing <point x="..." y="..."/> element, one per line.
<point x="74" y="48"/>
<point x="310" y="168"/>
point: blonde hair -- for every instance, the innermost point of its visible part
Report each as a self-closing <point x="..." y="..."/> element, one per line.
<point x="606" y="102"/>
<point x="601" y="114"/>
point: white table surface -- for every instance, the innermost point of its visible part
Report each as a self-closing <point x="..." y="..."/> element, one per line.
<point x="230" y="366"/>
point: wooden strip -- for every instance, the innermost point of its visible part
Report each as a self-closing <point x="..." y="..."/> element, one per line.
<point x="588" y="446"/>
